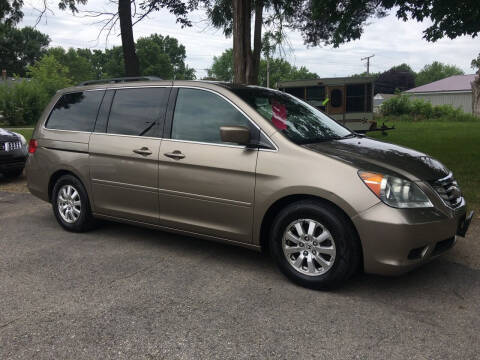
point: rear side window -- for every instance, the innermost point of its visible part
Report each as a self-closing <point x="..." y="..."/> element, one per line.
<point x="199" y="115"/>
<point x="138" y="112"/>
<point x="75" y="111"/>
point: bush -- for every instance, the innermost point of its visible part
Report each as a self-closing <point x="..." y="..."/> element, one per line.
<point x="23" y="102"/>
<point x="404" y="107"/>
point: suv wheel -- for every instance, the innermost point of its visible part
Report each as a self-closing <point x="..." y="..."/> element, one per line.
<point x="314" y="245"/>
<point x="71" y="205"/>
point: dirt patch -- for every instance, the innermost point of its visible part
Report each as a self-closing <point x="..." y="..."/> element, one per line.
<point x="18" y="184"/>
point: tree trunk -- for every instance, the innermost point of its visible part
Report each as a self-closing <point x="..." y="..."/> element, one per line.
<point x="132" y="67"/>
<point x="254" y="58"/>
<point x="476" y="95"/>
<point x="241" y="39"/>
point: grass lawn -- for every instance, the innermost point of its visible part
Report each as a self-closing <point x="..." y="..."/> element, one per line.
<point x="455" y="144"/>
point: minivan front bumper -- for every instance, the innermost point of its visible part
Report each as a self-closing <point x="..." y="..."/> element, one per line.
<point x="395" y="241"/>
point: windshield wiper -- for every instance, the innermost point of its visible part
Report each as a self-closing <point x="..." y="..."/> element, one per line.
<point x="348" y="136"/>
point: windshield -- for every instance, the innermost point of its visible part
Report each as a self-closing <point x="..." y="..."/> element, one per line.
<point x="297" y="120"/>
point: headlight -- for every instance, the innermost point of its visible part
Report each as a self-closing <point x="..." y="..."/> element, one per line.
<point x="394" y="191"/>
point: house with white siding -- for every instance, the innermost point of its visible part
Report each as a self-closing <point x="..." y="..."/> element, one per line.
<point x="455" y="90"/>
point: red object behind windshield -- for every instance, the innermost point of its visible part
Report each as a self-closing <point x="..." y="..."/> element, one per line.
<point x="279" y="117"/>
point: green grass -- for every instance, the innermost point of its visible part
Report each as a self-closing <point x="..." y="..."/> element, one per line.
<point x="455" y="144"/>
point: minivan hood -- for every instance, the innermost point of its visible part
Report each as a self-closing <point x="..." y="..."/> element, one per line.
<point x="374" y="155"/>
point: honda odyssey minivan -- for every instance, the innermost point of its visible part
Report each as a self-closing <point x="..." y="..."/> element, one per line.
<point x="244" y="165"/>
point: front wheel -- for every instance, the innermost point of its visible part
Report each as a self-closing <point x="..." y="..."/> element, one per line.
<point x="71" y="205"/>
<point x="314" y="244"/>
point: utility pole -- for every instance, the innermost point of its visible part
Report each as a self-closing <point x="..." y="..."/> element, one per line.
<point x="368" y="62"/>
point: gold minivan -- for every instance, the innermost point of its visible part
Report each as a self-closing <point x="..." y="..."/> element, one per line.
<point x="244" y="165"/>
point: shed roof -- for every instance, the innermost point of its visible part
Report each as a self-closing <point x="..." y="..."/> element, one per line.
<point x="452" y="83"/>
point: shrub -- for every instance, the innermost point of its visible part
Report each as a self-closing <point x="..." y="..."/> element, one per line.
<point x="405" y="107"/>
<point x="23" y="102"/>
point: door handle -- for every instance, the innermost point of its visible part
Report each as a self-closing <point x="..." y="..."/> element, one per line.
<point x="176" y="155"/>
<point x="143" y="151"/>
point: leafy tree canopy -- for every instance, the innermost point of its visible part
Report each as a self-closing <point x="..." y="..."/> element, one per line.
<point x="79" y="67"/>
<point x="20" y="48"/>
<point x="158" y="55"/>
<point x="333" y="22"/>
<point x="280" y="70"/>
<point x="50" y="74"/>
<point x="436" y="71"/>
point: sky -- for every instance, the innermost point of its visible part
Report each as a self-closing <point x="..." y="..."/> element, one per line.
<point x="391" y="41"/>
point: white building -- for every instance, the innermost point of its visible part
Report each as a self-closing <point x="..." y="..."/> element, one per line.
<point x="455" y="90"/>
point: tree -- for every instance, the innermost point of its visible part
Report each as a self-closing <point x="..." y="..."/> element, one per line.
<point x="127" y="20"/>
<point x="476" y="87"/>
<point x="476" y="63"/>
<point x="11" y="11"/>
<point x="163" y="56"/>
<point x="50" y="75"/>
<point x="20" y="48"/>
<point x="397" y="78"/>
<point x="280" y="70"/>
<point x="222" y="68"/>
<point x="329" y="21"/>
<point x="80" y="68"/>
<point x="436" y="71"/>
<point x="158" y="55"/>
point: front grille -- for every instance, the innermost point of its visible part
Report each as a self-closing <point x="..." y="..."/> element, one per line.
<point x="10" y="145"/>
<point x="448" y="189"/>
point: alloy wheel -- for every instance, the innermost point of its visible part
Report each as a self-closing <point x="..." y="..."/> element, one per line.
<point x="309" y="247"/>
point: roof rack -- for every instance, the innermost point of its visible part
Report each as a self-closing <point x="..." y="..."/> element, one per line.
<point x="120" y="80"/>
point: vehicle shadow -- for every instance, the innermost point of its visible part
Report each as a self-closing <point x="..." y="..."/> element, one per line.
<point x="439" y="279"/>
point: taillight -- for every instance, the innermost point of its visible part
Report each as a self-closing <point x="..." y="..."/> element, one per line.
<point x="32" y="146"/>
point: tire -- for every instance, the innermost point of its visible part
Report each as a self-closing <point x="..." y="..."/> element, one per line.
<point x="78" y="217"/>
<point x="330" y="255"/>
<point x="11" y="174"/>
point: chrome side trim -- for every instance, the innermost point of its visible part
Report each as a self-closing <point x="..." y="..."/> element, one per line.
<point x="205" y="143"/>
<point x="204" y="198"/>
<point x="124" y="185"/>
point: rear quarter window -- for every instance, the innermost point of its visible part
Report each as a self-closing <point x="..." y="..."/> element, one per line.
<point x="76" y="111"/>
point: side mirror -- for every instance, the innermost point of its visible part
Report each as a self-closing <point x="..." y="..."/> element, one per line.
<point x="235" y="134"/>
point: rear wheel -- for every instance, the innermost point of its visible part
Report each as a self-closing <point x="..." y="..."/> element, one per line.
<point x="314" y="244"/>
<point x="71" y="205"/>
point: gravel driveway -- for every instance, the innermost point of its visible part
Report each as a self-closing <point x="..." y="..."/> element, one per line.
<point x="122" y="292"/>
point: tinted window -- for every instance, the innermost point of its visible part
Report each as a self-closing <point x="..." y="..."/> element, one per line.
<point x="75" y="111"/>
<point x="138" y="111"/>
<point x="199" y="115"/>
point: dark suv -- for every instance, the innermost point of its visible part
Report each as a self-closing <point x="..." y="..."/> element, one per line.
<point x="13" y="153"/>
